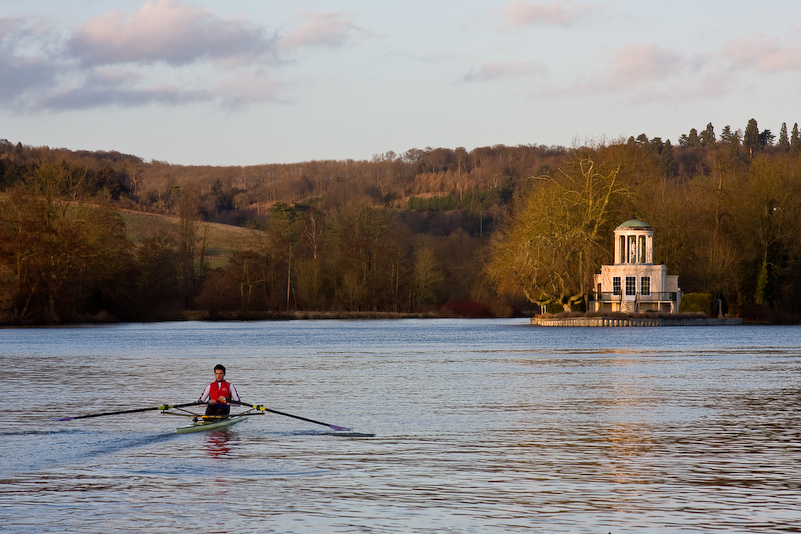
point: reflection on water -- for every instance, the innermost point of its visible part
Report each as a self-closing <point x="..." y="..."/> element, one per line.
<point x="217" y="444"/>
<point x="459" y="426"/>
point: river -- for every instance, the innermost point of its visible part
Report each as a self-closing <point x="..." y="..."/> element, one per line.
<point x="479" y="426"/>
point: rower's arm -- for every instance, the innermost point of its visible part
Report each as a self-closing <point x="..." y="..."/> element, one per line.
<point x="205" y="396"/>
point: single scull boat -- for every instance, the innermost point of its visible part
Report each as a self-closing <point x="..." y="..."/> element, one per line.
<point x="216" y="423"/>
<point x="201" y="423"/>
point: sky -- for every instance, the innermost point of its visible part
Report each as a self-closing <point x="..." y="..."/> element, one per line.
<point x="248" y="82"/>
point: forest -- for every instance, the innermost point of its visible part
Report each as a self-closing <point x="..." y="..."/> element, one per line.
<point x="495" y="231"/>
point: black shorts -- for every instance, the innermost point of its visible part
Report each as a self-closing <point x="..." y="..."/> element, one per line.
<point x="218" y="409"/>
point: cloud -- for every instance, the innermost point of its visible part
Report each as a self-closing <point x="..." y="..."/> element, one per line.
<point x="243" y="89"/>
<point x="168" y="31"/>
<point x="123" y="59"/>
<point x="326" y="29"/>
<point x="504" y="70"/>
<point x="90" y="96"/>
<point x="645" y="72"/>
<point x="518" y="13"/>
<point x="24" y="63"/>
<point x="644" y="63"/>
<point x="767" y="56"/>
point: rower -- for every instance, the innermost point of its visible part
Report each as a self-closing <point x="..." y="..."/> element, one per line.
<point x="219" y="393"/>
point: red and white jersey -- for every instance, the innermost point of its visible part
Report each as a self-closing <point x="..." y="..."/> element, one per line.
<point x="215" y="390"/>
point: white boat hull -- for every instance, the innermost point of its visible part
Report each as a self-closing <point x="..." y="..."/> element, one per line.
<point x="203" y="426"/>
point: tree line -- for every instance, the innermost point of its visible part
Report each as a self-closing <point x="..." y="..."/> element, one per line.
<point x="724" y="214"/>
<point x="492" y="231"/>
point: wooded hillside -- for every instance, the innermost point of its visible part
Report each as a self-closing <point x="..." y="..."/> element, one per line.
<point x="481" y="232"/>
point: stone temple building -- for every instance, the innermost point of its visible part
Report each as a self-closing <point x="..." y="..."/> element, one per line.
<point x="634" y="283"/>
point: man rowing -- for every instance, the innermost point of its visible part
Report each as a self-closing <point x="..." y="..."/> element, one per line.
<point x="219" y="393"/>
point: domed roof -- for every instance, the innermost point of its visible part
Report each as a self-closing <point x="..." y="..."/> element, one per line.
<point x="635" y="223"/>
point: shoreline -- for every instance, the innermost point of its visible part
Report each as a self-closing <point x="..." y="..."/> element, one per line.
<point x="634" y="321"/>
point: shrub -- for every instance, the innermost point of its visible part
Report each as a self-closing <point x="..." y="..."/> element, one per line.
<point x="696" y="302"/>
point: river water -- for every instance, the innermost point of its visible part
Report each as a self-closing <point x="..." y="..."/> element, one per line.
<point x="479" y="426"/>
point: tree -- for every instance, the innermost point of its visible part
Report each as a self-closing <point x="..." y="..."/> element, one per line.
<point x="708" y="135"/>
<point x="310" y="277"/>
<point x="767" y="229"/>
<point x="160" y="274"/>
<point x="795" y="140"/>
<point x="751" y="139"/>
<point x="728" y="136"/>
<point x="366" y="254"/>
<point x="555" y="239"/>
<point x="191" y="245"/>
<point x="282" y="234"/>
<point x="766" y="138"/>
<point x="61" y="264"/>
<point x="693" y="139"/>
<point x="427" y="275"/>
<point x="784" y="140"/>
<point x="667" y="160"/>
<point x="690" y="140"/>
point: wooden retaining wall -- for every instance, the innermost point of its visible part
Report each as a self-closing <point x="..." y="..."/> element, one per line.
<point x="611" y="321"/>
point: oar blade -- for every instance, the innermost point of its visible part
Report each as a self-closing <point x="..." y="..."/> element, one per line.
<point x="62" y="418"/>
<point x="339" y="428"/>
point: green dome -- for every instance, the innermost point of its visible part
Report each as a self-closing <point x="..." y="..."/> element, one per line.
<point x="635" y="223"/>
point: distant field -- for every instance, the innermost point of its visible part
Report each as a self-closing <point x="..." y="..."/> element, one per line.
<point x="222" y="240"/>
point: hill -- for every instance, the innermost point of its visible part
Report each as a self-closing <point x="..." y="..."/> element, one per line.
<point x="409" y="233"/>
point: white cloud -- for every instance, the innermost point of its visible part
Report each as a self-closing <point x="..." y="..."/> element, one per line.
<point x="518" y="13"/>
<point x="122" y="59"/>
<point x="765" y="55"/>
<point x="168" y="31"/>
<point x="644" y="63"/>
<point x="325" y="29"/>
<point x="646" y="72"/>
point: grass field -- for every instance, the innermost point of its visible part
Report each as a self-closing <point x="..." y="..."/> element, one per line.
<point x="221" y="240"/>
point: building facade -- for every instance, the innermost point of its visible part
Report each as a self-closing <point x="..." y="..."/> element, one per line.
<point x="634" y="283"/>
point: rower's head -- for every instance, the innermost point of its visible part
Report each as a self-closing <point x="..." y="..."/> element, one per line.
<point x="219" y="372"/>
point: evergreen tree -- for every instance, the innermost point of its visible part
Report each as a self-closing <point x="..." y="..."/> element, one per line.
<point x="751" y="136"/>
<point x="784" y="140"/>
<point x="656" y="145"/>
<point x="667" y="160"/>
<point x="766" y="138"/>
<point x="693" y="139"/>
<point x="708" y="135"/>
<point x="795" y="139"/>
<point x="727" y="136"/>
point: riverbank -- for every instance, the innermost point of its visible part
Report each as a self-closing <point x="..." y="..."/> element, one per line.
<point x="636" y="321"/>
<point x="306" y="315"/>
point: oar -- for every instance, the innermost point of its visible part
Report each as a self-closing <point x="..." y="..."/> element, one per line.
<point x="162" y="407"/>
<point x="263" y="409"/>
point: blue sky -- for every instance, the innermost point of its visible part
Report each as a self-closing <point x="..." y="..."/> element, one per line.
<point x="258" y="81"/>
